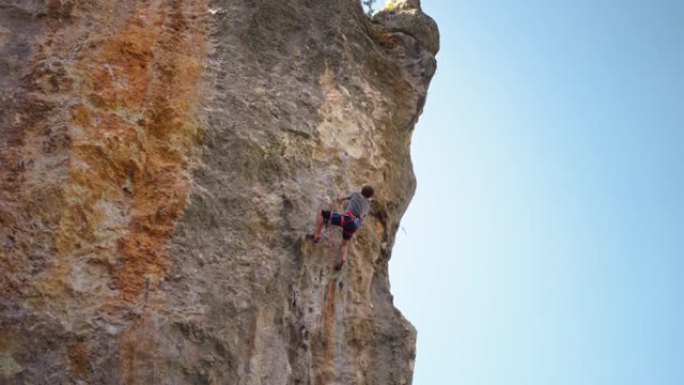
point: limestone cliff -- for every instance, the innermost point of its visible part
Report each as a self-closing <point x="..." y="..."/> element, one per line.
<point x="160" y="162"/>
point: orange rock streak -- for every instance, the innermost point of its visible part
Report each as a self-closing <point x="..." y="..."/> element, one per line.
<point x="132" y="147"/>
<point x="323" y="350"/>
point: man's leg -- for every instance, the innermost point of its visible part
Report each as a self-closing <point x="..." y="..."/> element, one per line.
<point x="319" y="225"/>
<point x="324" y="217"/>
<point x="344" y="247"/>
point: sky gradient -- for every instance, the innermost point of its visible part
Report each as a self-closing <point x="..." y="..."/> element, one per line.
<point x="545" y="242"/>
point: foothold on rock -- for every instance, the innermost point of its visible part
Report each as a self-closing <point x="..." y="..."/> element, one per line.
<point x="9" y="368"/>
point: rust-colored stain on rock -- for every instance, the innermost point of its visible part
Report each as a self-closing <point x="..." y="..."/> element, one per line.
<point x="131" y="147"/>
<point x="79" y="357"/>
<point x="323" y="347"/>
<point x="138" y="354"/>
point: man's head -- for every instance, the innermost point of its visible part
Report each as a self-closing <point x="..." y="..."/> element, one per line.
<point x="367" y="191"/>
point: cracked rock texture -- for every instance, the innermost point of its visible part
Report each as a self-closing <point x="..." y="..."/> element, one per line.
<point x="160" y="162"/>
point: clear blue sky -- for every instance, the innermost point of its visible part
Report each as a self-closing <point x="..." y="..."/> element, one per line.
<point x="545" y="243"/>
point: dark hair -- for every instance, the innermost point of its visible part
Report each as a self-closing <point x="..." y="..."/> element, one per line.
<point x="367" y="191"/>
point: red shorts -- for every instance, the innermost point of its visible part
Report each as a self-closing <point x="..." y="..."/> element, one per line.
<point x="346" y="221"/>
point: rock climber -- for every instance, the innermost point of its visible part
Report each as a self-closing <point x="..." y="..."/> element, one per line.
<point x="350" y="221"/>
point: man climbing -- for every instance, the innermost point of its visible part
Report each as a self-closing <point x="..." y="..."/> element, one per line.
<point x="350" y="221"/>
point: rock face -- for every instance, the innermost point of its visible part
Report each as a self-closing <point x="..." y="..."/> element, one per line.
<point x="160" y="162"/>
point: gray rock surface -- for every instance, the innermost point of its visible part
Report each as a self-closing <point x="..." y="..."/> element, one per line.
<point x="160" y="163"/>
<point x="405" y="16"/>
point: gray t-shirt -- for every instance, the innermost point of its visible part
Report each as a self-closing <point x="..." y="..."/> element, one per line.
<point x="358" y="205"/>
